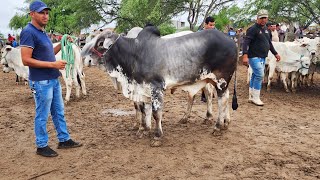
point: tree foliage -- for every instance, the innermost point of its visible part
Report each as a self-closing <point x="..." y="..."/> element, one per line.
<point x="139" y="12"/>
<point x="303" y="11"/>
<point x="66" y="16"/>
<point x="231" y="17"/>
<point x="201" y="9"/>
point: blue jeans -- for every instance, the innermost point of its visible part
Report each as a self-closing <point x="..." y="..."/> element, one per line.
<point x="48" y="98"/>
<point x="257" y="64"/>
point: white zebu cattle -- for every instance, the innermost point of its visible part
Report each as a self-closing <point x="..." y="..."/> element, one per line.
<point x="291" y="63"/>
<point x="299" y="48"/>
<point x="12" y="57"/>
<point x="314" y="49"/>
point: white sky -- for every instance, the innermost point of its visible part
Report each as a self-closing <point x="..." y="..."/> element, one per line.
<point x="8" y="9"/>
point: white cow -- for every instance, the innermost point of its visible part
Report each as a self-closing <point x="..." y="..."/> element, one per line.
<point x="12" y="57"/>
<point x="291" y="63"/>
<point x="314" y="48"/>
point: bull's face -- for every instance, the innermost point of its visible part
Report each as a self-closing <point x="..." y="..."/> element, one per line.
<point x="99" y="45"/>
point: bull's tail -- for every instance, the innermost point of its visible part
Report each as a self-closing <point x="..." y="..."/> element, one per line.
<point x="234" y="98"/>
<point x="78" y="79"/>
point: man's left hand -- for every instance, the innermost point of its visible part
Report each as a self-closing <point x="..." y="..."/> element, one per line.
<point x="278" y="57"/>
<point x="70" y="39"/>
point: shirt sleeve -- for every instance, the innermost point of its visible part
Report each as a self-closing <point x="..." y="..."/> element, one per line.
<point x="251" y="33"/>
<point x="26" y="39"/>
<point x="274" y="52"/>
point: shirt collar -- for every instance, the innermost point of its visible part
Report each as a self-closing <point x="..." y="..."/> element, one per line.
<point x="36" y="27"/>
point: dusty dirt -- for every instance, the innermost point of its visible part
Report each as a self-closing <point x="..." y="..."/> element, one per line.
<point x="277" y="141"/>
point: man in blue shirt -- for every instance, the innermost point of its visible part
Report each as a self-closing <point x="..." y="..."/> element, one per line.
<point x="231" y="33"/>
<point x="38" y="53"/>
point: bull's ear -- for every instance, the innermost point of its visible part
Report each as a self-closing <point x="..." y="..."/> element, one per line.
<point x="107" y="43"/>
<point x="304" y="45"/>
<point x="8" y="48"/>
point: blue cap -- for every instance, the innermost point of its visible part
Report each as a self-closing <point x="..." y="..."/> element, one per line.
<point x="38" y="6"/>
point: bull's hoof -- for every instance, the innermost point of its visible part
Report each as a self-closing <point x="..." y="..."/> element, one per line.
<point x="226" y="125"/>
<point x="66" y="102"/>
<point x="216" y="132"/>
<point x="135" y="127"/>
<point x="183" y="121"/>
<point x="294" y="91"/>
<point x="156" y="142"/>
<point x="140" y="133"/>
<point x="269" y="90"/>
<point x="207" y="122"/>
<point x="287" y="90"/>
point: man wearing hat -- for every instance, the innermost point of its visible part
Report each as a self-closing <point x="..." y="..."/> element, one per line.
<point x="256" y="46"/>
<point x="38" y="53"/>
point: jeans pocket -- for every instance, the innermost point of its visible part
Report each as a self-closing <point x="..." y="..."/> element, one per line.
<point x="43" y="82"/>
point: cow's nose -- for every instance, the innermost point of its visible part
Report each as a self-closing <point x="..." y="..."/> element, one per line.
<point x="313" y="53"/>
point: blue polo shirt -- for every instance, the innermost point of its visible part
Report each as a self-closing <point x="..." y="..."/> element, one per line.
<point x="41" y="44"/>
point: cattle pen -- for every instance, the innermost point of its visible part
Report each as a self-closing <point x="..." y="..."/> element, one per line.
<point x="277" y="141"/>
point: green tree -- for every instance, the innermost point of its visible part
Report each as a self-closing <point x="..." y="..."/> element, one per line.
<point x="231" y="17"/>
<point x="167" y="28"/>
<point x="289" y="11"/>
<point x="202" y="8"/>
<point x="18" y="21"/>
<point x="139" y="12"/>
<point x="66" y="16"/>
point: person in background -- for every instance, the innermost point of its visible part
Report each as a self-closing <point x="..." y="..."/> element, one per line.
<point x="10" y="39"/>
<point x="15" y="43"/>
<point x="274" y="33"/>
<point x="256" y="46"/>
<point x="299" y="33"/>
<point x="209" y="23"/>
<point x="231" y="33"/>
<point x="281" y="33"/>
<point x="241" y="35"/>
<point x="38" y="53"/>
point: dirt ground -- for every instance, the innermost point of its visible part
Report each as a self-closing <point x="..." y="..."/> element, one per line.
<point x="277" y="141"/>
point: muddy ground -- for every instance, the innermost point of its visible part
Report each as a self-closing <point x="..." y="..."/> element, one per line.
<point x="277" y="141"/>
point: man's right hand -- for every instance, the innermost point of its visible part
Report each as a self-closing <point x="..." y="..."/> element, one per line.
<point x="60" y="64"/>
<point x="245" y="60"/>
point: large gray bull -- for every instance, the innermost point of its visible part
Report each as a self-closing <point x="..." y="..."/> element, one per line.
<point x="148" y="65"/>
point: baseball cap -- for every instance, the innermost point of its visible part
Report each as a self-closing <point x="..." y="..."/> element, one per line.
<point x="262" y="13"/>
<point x="38" y="6"/>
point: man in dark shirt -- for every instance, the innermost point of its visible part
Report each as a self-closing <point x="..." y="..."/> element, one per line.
<point x="256" y="46"/>
<point x="38" y="53"/>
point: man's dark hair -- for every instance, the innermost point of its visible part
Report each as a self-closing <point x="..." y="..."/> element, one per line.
<point x="269" y="23"/>
<point x="209" y="19"/>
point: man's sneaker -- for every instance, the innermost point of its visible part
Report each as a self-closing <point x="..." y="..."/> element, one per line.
<point x="46" y="152"/>
<point x="68" y="144"/>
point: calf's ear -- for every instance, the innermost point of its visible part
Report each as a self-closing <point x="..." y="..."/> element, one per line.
<point x="8" y="48"/>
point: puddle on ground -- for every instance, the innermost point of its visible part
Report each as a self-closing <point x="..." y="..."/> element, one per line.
<point x="118" y="112"/>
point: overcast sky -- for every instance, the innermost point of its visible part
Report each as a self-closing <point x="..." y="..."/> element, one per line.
<point x="8" y="9"/>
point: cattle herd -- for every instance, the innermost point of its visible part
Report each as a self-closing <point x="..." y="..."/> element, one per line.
<point x="142" y="65"/>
